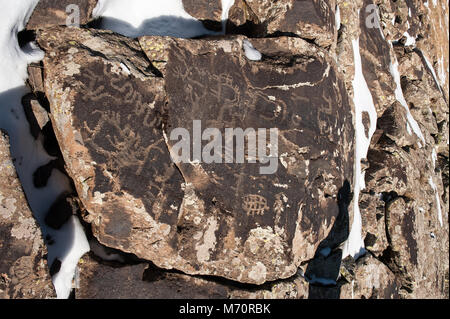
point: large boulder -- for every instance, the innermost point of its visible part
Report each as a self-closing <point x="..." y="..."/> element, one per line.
<point x="113" y="114"/>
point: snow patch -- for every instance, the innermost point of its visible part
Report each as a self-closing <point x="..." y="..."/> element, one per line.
<point x="226" y="6"/>
<point x="338" y="18"/>
<point x="430" y="67"/>
<point x="134" y="18"/>
<point x="434" y="157"/>
<point x="400" y="98"/>
<point x="410" y="40"/>
<point x="438" y="201"/>
<point x="442" y="74"/>
<point x="250" y="52"/>
<point x="363" y="102"/>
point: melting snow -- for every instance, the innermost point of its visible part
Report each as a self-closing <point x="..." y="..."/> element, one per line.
<point x="438" y="201"/>
<point x="250" y="52"/>
<point x="226" y="6"/>
<point x="442" y="74"/>
<point x="400" y="98"/>
<point x="430" y="67"/>
<point x="410" y="41"/>
<point x="70" y="241"/>
<point x="363" y="101"/>
<point x="434" y="157"/>
<point x="338" y="18"/>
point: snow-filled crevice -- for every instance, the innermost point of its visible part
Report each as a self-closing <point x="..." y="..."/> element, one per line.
<point x="438" y="201"/>
<point x="363" y="101"/>
<point x="134" y="18"/>
<point x="393" y="69"/>
<point x="226" y="6"/>
<point x="432" y="71"/>
<point x="69" y="243"/>
<point x="411" y="122"/>
<point x="337" y="18"/>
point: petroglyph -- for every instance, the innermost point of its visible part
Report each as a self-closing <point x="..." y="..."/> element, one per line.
<point x="254" y="205"/>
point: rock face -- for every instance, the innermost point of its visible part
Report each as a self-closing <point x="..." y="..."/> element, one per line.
<point x="113" y="117"/>
<point x="309" y="19"/>
<point x="209" y="12"/>
<point x="61" y="12"/>
<point x="404" y="206"/>
<point x="371" y="280"/>
<point x="23" y="265"/>
<point x="218" y="228"/>
<point x="100" y="279"/>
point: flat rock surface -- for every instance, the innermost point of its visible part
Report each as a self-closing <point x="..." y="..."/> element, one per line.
<point x="113" y="115"/>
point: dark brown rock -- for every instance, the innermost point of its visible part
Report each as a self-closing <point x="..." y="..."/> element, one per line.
<point x="400" y="166"/>
<point x="56" y="12"/>
<point x="112" y="114"/>
<point x="114" y="111"/>
<point x="61" y="211"/>
<point x="372" y="280"/>
<point x="23" y="266"/>
<point x="100" y="280"/>
<point x="309" y="19"/>
<point x="209" y="12"/>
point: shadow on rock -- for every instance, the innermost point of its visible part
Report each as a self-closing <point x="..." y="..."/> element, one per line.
<point x="323" y="270"/>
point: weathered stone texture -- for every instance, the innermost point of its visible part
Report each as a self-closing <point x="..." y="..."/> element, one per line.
<point x="23" y="263"/>
<point x="112" y="117"/>
<point x="50" y="13"/>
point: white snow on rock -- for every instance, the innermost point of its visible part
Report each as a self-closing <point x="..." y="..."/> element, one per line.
<point x="226" y="6"/>
<point x="430" y="67"/>
<point x="70" y="241"/>
<point x="363" y="101"/>
<point x="13" y="59"/>
<point x="410" y="40"/>
<point x="400" y="98"/>
<point x="338" y="18"/>
<point x="134" y="18"/>
<point x="442" y="73"/>
<point x="250" y="52"/>
<point x="434" y="157"/>
<point x="438" y="201"/>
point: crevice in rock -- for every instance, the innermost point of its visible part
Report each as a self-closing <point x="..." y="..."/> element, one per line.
<point x="153" y="273"/>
